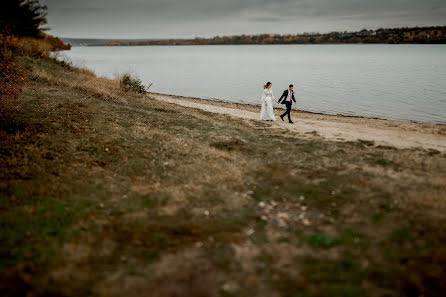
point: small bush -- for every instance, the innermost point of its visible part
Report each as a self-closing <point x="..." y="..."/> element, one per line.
<point x="32" y="47"/>
<point x="55" y="43"/>
<point x="130" y="83"/>
<point x="12" y="75"/>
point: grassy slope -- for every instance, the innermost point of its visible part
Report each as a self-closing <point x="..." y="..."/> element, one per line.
<point x="105" y="193"/>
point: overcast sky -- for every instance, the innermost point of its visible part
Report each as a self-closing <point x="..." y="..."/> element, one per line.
<point x="191" y="18"/>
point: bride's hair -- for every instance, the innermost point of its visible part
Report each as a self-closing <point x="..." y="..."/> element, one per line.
<point x="267" y="85"/>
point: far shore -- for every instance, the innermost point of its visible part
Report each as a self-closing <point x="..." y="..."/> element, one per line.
<point x="383" y="132"/>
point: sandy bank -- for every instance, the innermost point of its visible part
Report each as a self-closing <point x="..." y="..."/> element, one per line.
<point x="335" y="128"/>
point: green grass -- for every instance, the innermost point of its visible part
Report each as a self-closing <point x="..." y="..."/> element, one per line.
<point x="342" y="277"/>
<point x="382" y="162"/>
<point x="322" y="240"/>
<point x="36" y="236"/>
<point x="402" y="235"/>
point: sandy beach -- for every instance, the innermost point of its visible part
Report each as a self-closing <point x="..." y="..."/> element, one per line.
<point x="403" y="135"/>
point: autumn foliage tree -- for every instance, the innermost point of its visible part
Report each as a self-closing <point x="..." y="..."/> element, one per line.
<point x="22" y="18"/>
<point x="12" y="75"/>
<point x="18" y="19"/>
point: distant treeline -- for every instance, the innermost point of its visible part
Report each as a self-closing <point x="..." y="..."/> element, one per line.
<point x="388" y="36"/>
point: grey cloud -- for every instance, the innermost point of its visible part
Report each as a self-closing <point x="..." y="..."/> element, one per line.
<point x="188" y="18"/>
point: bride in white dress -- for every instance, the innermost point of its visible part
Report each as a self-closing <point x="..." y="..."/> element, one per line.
<point x="267" y="112"/>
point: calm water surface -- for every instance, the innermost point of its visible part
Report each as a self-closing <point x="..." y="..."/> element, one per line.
<point x="401" y="82"/>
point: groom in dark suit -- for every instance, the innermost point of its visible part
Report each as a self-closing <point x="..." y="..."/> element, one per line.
<point x="287" y="99"/>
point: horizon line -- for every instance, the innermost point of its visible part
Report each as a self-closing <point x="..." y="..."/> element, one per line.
<point x="247" y="34"/>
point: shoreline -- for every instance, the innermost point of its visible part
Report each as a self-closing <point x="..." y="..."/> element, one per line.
<point x="394" y="133"/>
<point x="256" y="106"/>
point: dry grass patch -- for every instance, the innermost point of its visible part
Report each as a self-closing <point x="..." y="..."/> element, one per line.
<point x="80" y="79"/>
<point x="108" y="193"/>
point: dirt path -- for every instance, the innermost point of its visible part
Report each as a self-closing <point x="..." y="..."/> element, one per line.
<point x="338" y="128"/>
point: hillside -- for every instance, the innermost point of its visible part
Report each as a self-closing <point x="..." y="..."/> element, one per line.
<point x="109" y="193"/>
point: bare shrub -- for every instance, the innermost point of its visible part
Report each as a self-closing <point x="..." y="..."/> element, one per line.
<point x="130" y="83"/>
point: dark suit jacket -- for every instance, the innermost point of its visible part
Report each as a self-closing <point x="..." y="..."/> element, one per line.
<point x="285" y="96"/>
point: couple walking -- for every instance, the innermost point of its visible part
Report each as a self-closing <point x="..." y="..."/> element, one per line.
<point x="267" y="111"/>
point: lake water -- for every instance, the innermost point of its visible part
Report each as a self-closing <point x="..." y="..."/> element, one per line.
<point x="401" y="82"/>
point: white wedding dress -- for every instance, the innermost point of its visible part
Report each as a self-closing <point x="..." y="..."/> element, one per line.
<point x="267" y="111"/>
